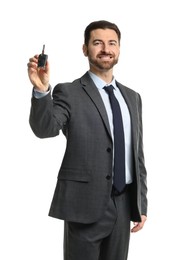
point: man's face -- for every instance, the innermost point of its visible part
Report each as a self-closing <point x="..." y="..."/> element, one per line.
<point x="103" y="50"/>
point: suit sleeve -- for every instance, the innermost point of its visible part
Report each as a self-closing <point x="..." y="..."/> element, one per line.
<point x="141" y="162"/>
<point x="49" y="114"/>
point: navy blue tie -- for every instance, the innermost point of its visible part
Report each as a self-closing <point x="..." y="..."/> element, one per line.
<point x="119" y="143"/>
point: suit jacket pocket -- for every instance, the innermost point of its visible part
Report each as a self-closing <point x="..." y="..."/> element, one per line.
<point x="74" y="175"/>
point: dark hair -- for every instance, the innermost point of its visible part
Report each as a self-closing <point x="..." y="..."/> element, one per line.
<point x="102" y="24"/>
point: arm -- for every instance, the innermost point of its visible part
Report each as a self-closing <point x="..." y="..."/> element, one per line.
<point x="48" y="115"/>
<point x="143" y="174"/>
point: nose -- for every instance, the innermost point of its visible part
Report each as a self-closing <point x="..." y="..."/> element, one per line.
<point x="105" y="47"/>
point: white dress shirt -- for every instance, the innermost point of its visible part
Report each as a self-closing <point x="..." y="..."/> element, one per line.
<point x="100" y="84"/>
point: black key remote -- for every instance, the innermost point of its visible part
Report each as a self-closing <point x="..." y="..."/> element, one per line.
<point x="42" y="59"/>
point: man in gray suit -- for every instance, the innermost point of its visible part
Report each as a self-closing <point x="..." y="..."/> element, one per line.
<point x="97" y="216"/>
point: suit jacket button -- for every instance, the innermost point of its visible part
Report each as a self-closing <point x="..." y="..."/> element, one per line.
<point x="108" y="149"/>
<point x="108" y="177"/>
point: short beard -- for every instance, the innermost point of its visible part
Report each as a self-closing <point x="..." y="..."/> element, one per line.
<point x="103" y="66"/>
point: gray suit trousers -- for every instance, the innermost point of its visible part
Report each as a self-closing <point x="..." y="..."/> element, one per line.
<point x="107" y="239"/>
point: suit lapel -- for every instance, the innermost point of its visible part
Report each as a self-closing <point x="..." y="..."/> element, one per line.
<point x="95" y="96"/>
<point x="131" y="103"/>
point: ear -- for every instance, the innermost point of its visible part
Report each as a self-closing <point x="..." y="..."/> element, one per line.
<point x="84" y="48"/>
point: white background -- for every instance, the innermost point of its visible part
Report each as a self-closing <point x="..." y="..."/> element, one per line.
<point x="149" y="63"/>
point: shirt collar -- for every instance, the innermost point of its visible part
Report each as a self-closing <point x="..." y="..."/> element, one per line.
<point x="100" y="84"/>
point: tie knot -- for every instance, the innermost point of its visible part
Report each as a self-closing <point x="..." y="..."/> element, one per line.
<point x="109" y="89"/>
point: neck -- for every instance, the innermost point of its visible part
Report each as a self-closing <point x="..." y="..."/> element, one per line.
<point x="107" y="76"/>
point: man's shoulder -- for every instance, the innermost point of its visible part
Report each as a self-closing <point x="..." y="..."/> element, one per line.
<point x="74" y="85"/>
<point x="126" y="89"/>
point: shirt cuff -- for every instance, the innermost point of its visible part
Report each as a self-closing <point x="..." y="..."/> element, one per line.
<point x="38" y="94"/>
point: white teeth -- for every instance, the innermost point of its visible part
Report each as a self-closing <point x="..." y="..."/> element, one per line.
<point x="105" y="57"/>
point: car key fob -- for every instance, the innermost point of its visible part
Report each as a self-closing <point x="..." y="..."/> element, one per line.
<point x="42" y="59"/>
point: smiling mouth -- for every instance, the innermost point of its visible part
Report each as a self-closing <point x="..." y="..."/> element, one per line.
<point x="105" y="57"/>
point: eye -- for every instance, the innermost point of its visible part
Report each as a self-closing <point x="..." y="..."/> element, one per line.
<point x="113" y="43"/>
<point x="97" y="42"/>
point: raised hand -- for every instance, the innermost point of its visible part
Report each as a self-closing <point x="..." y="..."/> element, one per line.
<point x="39" y="77"/>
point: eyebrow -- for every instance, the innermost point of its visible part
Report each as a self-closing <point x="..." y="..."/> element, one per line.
<point x="102" y="40"/>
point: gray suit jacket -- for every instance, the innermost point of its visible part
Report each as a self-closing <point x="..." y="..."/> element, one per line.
<point x="85" y="177"/>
